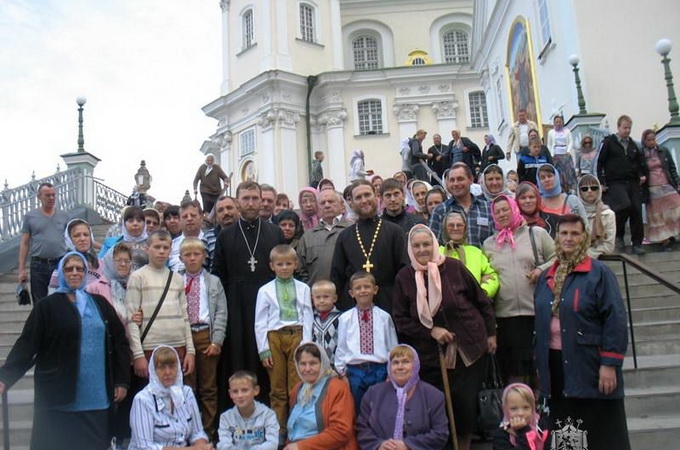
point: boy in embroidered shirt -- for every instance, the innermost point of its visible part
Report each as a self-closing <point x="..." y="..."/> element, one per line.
<point x="207" y="310"/>
<point x="366" y="336"/>
<point x="283" y="319"/>
<point x="249" y="424"/>
<point x="171" y="325"/>
<point x="326" y="317"/>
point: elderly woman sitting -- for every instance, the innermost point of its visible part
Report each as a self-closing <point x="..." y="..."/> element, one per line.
<point x="165" y="413"/>
<point x="322" y="415"/>
<point x="404" y="412"/>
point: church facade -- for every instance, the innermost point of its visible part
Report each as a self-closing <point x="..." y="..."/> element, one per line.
<point x="337" y="75"/>
<point x="301" y="76"/>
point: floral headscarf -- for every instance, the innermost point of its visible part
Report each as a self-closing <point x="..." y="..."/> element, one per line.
<point x="516" y="220"/>
<point x="402" y="391"/>
<point x="566" y="264"/>
<point x="428" y="298"/>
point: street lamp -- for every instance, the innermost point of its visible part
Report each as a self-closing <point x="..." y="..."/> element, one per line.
<point x="574" y="60"/>
<point x="143" y="178"/>
<point x="663" y="48"/>
<point x="81" y="140"/>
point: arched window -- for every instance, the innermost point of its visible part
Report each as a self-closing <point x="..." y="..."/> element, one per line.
<point x="370" y="116"/>
<point x="456" y="47"/>
<point x="307" y="26"/>
<point x="247" y="30"/>
<point x="366" y="56"/>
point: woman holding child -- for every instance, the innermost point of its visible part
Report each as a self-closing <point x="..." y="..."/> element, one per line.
<point x="322" y="415"/>
<point x="403" y="412"/>
<point x="439" y="306"/>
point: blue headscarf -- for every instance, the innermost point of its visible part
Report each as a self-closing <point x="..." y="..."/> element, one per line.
<point x="557" y="186"/>
<point x="81" y="295"/>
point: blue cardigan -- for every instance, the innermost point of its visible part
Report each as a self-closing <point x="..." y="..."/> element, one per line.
<point x="593" y="325"/>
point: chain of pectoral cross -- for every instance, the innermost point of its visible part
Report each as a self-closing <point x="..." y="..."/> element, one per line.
<point x="368" y="265"/>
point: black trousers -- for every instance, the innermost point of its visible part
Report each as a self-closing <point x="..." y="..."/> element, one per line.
<point x="623" y="197"/>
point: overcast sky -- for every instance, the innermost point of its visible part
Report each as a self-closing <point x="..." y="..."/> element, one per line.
<point x="146" y="68"/>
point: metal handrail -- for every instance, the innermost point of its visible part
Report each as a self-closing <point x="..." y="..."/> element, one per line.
<point x="625" y="259"/>
<point x="5" y="420"/>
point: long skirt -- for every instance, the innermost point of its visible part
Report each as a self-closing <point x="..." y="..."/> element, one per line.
<point x="67" y="430"/>
<point x="515" y="353"/>
<point x="565" y="166"/>
<point x="663" y="213"/>
<point x="584" y="423"/>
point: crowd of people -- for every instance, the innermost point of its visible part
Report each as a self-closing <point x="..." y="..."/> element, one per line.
<point x="358" y="320"/>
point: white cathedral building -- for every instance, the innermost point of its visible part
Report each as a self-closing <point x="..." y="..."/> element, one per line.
<point x="301" y="76"/>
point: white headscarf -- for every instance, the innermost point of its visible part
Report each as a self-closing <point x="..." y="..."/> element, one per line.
<point x="305" y="394"/>
<point x="208" y="167"/>
<point x="164" y="394"/>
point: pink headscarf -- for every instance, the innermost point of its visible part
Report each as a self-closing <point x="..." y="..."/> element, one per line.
<point x="516" y="220"/>
<point x="428" y="299"/>
<point x="308" y="222"/>
<point x="536" y="437"/>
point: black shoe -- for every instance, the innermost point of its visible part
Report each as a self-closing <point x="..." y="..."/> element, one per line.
<point x="637" y="250"/>
<point x="619" y="244"/>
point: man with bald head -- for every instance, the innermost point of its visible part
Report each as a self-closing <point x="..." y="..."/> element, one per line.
<point x="316" y="246"/>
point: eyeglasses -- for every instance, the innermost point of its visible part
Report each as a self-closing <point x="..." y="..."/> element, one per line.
<point x="79" y="269"/>
<point x="122" y="262"/>
<point x="594" y="188"/>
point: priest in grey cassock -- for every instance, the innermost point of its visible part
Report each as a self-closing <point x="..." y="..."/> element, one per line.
<point x="373" y="245"/>
<point x="242" y="264"/>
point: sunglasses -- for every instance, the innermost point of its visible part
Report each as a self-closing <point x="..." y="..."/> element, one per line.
<point x="590" y="188"/>
<point x="79" y="269"/>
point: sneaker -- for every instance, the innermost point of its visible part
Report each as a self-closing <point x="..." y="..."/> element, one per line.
<point x="637" y="250"/>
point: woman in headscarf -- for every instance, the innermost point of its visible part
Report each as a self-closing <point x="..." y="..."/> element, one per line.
<point x="491" y="153"/>
<point x="211" y="176"/>
<point x="454" y="234"/>
<point x="415" y="197"/>
<point x="403" y="411"/>
<point x="437" y="302"/>
<point x="290" y="225"/>
<point x="165" y="413"/>
<point x="322" y="412"/>
<point x="581" y="341"/>
<point x="553" y="200"/>
<point x="78" y="237"/>
<point x="309" y="208"/>
<point x="519" y="254"/>
<point x="357" y="166"/>
<point x="528" y="200"/>
<point x="493" y="182"/>
<point x="377" y="181"/>
<point x="602" y="219"/>
<point x="82" y="363"/>
<point x="663" y="184"/>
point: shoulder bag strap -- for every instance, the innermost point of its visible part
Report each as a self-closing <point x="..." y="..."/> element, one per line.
<point x="533" y="246"/>
<point x="564" y="205"/>
<point x="158" y="307"/>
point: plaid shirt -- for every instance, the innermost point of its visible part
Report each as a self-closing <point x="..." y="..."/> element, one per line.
<point x="479" y="220"/>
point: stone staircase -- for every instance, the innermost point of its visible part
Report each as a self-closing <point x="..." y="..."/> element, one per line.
<point x="652" y="390"/>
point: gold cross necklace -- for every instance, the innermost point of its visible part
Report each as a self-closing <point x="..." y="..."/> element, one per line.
<point x="368" y="265"/>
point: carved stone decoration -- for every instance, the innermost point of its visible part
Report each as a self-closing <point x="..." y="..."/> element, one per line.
<point x="404" y="91"/>
<point x="424" y="89"/>
<point x="444" y="88"/>
<point x="224" y="141"/>
<point x="267" y="118"/>
<point x="287" y="118"/>
<point x="266" y="97"/>
<point x="485" y="80"/>
<point x="333" y="119"/>
<point x="406" y="112"/>
<point x="224" y="5"/>
<point x="445" y="110"/>
<point x="286" y="95"/>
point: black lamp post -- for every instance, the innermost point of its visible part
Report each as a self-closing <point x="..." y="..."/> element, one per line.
<point x="81" y="140"/>
<point x="574" y="60"/>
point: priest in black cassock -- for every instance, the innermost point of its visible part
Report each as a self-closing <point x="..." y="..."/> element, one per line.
<point x="371" y="244"/>
<point x="242" y="264"/>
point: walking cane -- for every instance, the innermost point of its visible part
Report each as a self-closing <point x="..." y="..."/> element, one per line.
<point x="447" y="395"/>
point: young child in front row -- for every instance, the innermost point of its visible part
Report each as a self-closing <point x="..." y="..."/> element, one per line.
<point x="283" y="319"/>
<point x="366" y="336"/>
<point x="249" y="424"/>
<point x="519" y="428"/>
<point x="326" y="317"/>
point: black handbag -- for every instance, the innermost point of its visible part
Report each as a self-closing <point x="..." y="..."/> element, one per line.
<point x="490" y="399"/>
<point x="23" y="297"/>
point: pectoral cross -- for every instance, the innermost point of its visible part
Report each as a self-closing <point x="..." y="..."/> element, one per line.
<point x="252" y="261"/>
<point x="368" y="266"/>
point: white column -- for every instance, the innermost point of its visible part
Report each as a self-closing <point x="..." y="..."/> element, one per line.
<point x="445" y="111"/>
<point x="264" y="35"/>
<point x="288" y="165"/>
<point x="266" y="166"/>
<point x="335" y="135"/>
<point x="336" y="35"/>
<point x="283" y="61"/>
<point x="226" y="54"/>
